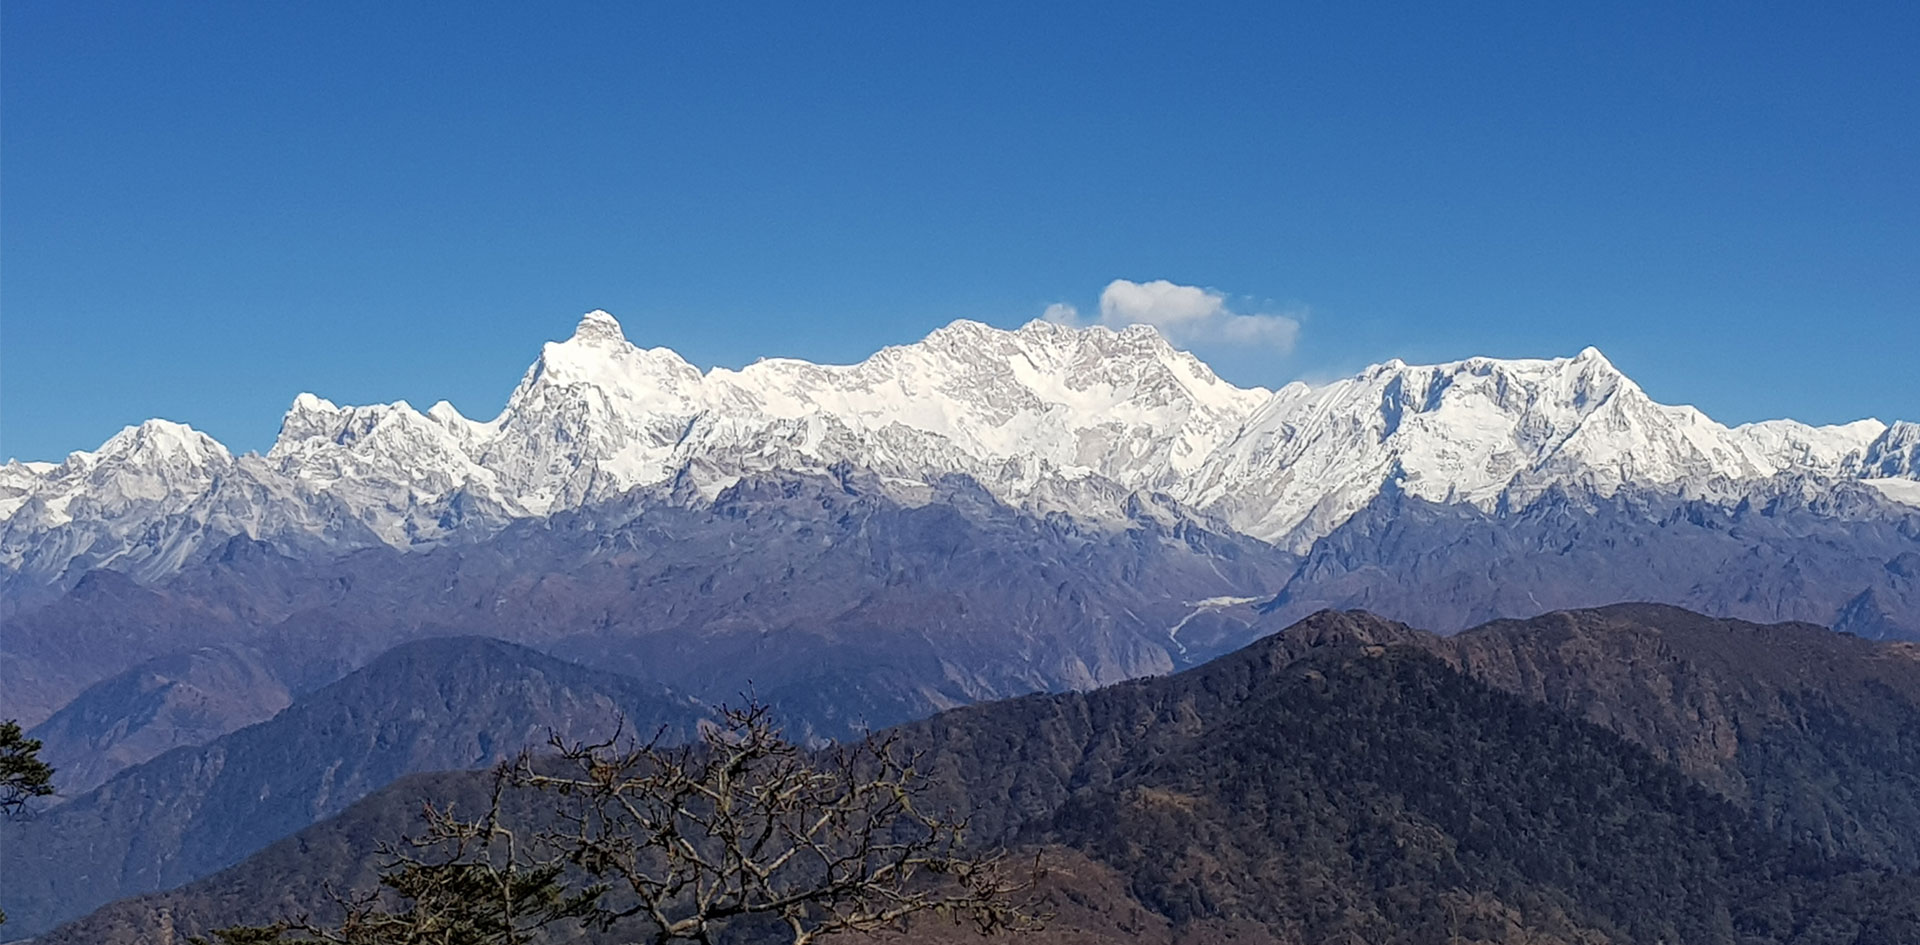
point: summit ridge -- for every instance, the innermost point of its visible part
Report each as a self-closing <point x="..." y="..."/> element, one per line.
<point x="1045" y="416"/>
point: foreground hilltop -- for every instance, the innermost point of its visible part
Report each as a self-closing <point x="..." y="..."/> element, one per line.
<point x="1628" y="774"/>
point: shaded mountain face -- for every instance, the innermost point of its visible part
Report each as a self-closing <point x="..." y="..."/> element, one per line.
<point x="850" y="608"/>
<point x="434" y="704"/>
<point x="1835" y="558"/>
<point x="1816" y="733"/>
<point x="1342" y="781"/>
<point x="106" y="625"/>
<point x="1811" y="731"/>
<point x="1378" y="796"/>
<point x="187" y="698"/>
<point x="823" y="595"/>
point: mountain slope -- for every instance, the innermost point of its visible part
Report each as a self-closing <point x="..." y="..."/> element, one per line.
<point x="1027" y="412"/>
<point x="1816" y="733"/>
<point x="1374" y="794"/>
<point x="1483" y="431"/>
<point x="1842" y="557"/>
<point x="827" y="595"/>
<point x="105" y="625"/>
<point x="435" y="704"/>
<point x="1894" y="454"/>
<point x="1119" y="486"/>
<point x="1445" y="494"/>
<point x="1338" y="781"/>
<point x="188" y="698"/>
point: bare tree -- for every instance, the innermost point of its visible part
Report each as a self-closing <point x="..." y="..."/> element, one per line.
<point x="740" y="834"/>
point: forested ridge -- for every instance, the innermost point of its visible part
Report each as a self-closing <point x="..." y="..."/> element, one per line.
<point x="1346" y="781"/>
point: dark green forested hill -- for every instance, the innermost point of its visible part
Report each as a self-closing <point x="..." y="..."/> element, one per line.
<point x="1380" y="795"/>
<point x="1817" y="732"/>
<point x="1343" y="781"/>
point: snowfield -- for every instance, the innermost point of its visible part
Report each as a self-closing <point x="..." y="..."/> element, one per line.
<point x="1045" y="417"/>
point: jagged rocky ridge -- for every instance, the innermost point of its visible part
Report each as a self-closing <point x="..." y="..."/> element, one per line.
<point x="1046" y="418"/>
<point x="981" y="514"/>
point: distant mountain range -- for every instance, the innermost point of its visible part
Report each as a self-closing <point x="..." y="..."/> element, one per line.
<point x="1046" y="419"/>
<point x="1631" y="774"/>
<point x="979" y="515"/>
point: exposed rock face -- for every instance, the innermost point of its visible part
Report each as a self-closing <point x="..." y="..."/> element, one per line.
<point x="1894" y="454"/>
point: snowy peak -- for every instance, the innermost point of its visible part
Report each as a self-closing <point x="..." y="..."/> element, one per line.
<point x="598" y="356"/>
<point x="316" y="425"/>
<point x="1480" y="431"/>
<point x="1788" y="444"/>
<point x="316" y="435"/>
<point x="161" y="443"/>
<point x="593" y="416"/>
<point x="310" y="417"/>
<point x="598" y="328"/>
<point x="1007" y="407"/>
<point x="1563" y="391"/>
<point x="142" y="477"/>
<point x="1894" y="454"/>
<point x="1046" y="416"/>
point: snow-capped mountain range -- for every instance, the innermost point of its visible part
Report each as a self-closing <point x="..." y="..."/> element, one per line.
<point x="1046" y="417"/>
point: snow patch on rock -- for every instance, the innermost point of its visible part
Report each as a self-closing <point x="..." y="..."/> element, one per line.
<point x="1082" y="421"/>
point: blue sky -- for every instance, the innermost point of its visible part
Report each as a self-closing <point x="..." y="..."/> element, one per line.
<point x="206" y="208"/>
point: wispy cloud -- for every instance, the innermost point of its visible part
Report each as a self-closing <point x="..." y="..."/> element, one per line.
<point x="1185" y="314"/>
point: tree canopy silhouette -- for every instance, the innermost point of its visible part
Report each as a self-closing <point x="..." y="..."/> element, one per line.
<point x="741" y="833"/>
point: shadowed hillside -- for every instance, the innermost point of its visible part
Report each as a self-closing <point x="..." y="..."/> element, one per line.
<point x="432" y="705"/>
<point x="1339" y="781"/>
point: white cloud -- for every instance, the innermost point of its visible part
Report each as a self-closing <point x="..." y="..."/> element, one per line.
<point x="1060" y="313"/>
<point x="1185" y="314"/>
<point x="1159" y="303"/>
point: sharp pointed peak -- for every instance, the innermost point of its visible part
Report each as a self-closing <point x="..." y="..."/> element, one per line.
<point x="445" y="412"/>
<point x="599" y="327"/>
<point x="1591" y="355"/>
<point x="307" y="401"/>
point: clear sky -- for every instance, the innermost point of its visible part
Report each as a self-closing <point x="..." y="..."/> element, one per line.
<point x="206" y="208"/>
